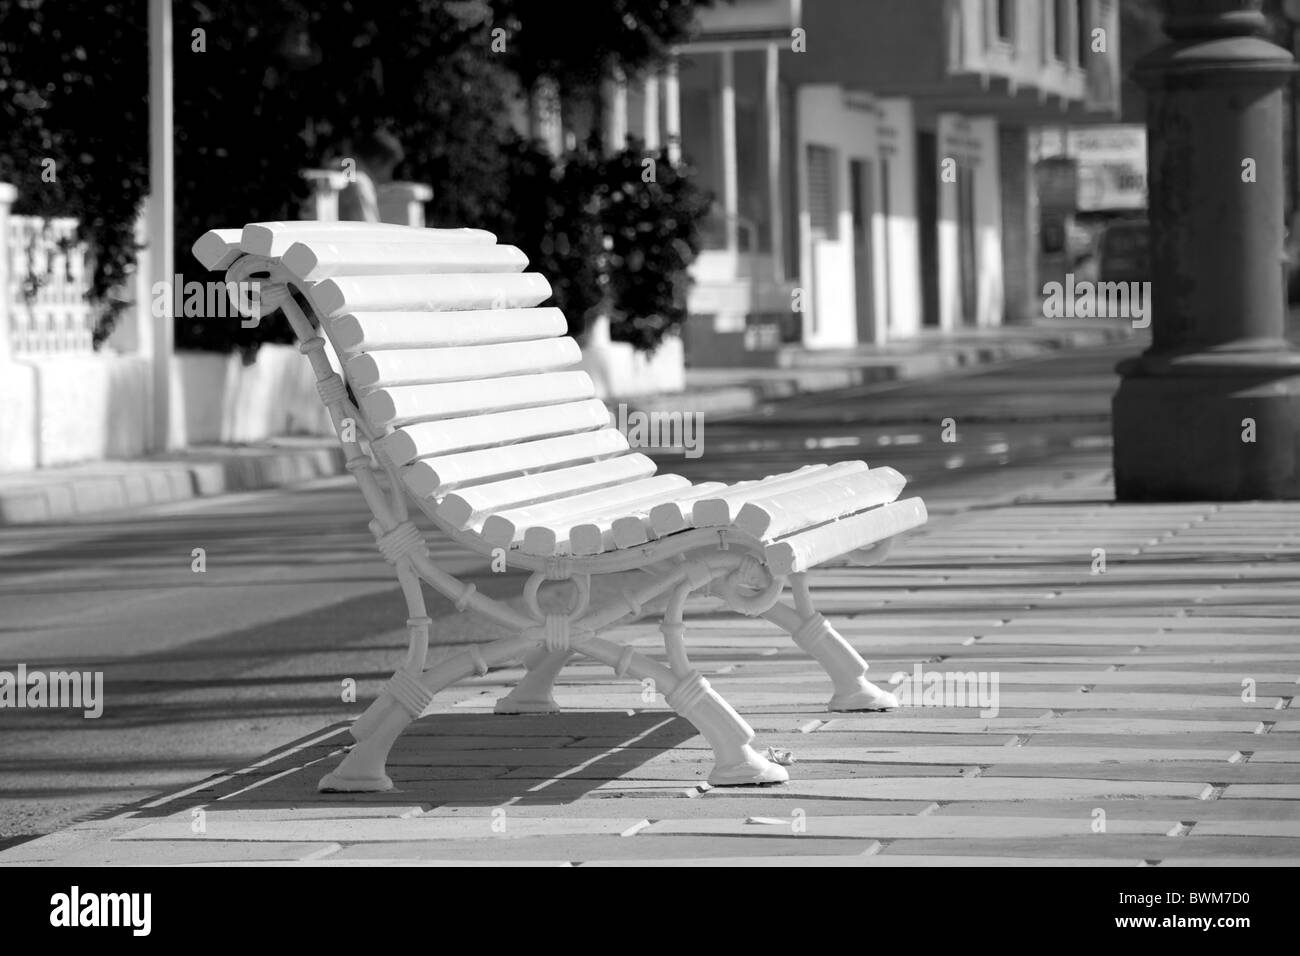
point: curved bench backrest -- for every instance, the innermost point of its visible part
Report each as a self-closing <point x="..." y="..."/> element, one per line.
<point x="467" y="380"/>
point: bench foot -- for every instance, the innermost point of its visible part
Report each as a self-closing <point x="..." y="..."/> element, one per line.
<point x="751" y="769"/>
<point x="866" y="696"/>
<point x="736" y="763"/>
<point x="815" y="636"/>
<point x="363" y="769"/>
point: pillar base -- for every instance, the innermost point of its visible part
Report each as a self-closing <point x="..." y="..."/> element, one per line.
<point x="1180" y="426"/>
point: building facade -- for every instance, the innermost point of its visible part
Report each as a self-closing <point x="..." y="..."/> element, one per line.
<point x="870" y="161"/>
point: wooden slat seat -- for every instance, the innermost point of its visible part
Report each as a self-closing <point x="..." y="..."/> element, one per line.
<point x="469" y="381"/>
<point x="790" y="514"/>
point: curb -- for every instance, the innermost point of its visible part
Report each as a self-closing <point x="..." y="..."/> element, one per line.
<point x="48" y="496"/>
<point x="792" y="381"/>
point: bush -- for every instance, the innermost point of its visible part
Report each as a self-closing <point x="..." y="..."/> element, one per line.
<point x="615" y="235"/>
<point x="650" y="215"/>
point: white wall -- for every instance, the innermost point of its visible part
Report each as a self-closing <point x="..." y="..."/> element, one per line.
<point x="222" y="400"/>
<point x="63" y="409"/>
<point x="826" y="265"/>
<point x="858" y="126"/>
<point x="973" y="143"/>
<point x="900" y="231"/>
<point x="68" y="409"/>
<point x="620" y="371"/>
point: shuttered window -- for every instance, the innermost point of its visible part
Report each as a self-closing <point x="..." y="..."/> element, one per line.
<point x="821" y="192"/>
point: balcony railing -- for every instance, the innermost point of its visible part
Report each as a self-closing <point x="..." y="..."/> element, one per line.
<point x="47" y="278"/>
<point x="1020" y="41"/>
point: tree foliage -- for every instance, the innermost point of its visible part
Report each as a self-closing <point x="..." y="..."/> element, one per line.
<point x="266" y="88"/>
<point x="594" y="40"/>
<point x="648" y="215"/>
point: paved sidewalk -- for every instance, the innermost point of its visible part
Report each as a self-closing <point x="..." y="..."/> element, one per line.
<point x="801" y="371"/>
<point x="1144" y="716"/>
<point x="200" y="471"/>
<point x="65" y="493"/>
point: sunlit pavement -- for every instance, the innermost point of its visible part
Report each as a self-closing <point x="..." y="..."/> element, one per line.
<point x="205" y="672"/>
<point x="1124" y="687"/>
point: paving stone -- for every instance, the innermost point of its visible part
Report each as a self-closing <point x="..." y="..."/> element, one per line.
<point x="1232" y="775"/>
<point x="491" y="823"/>
<point x="914" y="722"/>
<point x="893" y="827"/>
<point x="984" y="788"/>
<point x="1271" y="791"/>
<point x="1153" y="808"/>
<point x="582" y="848"/>
<point x="171" y="852"/>
<point x="1204" y="849"/>
<point x="1036" y="756"/>
<point x="879" y="860"/>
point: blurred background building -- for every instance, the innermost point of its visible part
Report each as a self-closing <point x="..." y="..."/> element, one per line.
<point x="874" y="164"/>
<point x="871" y="168"/>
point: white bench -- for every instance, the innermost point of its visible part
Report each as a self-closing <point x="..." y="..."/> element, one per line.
<point x="468" y="403"/>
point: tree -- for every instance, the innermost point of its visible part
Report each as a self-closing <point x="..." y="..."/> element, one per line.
<point x="616" y="36"/>
<point x="266" y="88"/>
<point x="287" y="85"/>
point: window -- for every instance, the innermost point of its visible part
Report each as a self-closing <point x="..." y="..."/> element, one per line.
<point x="821" y="191"/>
<point x="1004" y="20"/>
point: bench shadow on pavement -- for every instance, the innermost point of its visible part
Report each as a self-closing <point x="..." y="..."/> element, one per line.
<point x="505" y="768"/>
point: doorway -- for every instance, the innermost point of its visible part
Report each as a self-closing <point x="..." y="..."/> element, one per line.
<point x="966" y="253"/>
<point x="927" y="214"/>
<point x="863" y="203"/>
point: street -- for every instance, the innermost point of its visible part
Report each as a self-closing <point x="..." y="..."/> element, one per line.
<point x="204" y="671"/>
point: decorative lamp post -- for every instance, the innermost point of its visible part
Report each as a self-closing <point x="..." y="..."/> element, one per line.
<point x="1211" y="411"/>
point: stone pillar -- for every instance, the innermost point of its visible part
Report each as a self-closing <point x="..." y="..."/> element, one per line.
<point x="672" y="112"/>
<point x="650" y="112"/>
<point x="402" y="203"/>
<point x="730" y="167"/>
<point x="775" y="166"/>
<point x="167" y="432"/>
<point x="545" y="122"/>
<point x="614" y="122"/>
<point x="7" y="196"/>
<point x="1211" y="411"/>
<point x="323" y="203"/>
